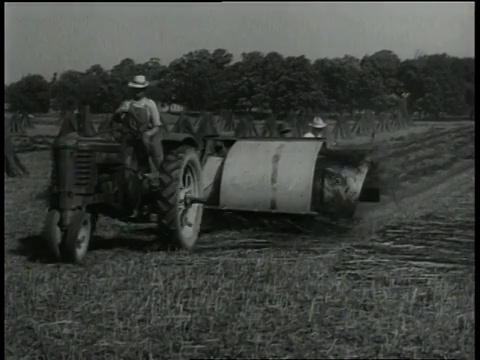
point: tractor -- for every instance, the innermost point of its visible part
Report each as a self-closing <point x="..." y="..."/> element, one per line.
<point x="102" y="175"/>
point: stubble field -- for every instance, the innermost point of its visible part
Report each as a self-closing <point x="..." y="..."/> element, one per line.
<point x="399" y="284"/>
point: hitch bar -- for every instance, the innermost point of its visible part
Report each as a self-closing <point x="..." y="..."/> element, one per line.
<point x="190" y="200"/>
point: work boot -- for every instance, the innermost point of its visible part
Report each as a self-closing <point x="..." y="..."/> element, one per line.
<point x="134" y="215"/>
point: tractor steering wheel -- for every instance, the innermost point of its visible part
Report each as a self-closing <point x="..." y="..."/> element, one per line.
<point x="124" y="127"/>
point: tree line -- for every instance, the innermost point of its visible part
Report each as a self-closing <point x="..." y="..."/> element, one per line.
<point x="204" y="80"/>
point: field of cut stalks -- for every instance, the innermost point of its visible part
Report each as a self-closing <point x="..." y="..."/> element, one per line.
<point x="400" y="283"/>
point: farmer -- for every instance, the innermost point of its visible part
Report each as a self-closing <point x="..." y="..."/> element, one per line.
<point x="284" y="130"/>
<point x="317" y="129"/>
<point x="144" y="118"/>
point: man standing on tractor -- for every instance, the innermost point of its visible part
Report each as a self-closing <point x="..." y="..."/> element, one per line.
<point x="284" y="130"/>
<point x="318" y="129"/>
<point x="144" y="118"/>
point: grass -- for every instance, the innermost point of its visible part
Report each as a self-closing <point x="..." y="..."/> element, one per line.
<point x="232" y="308"/>
<point x="248" y="294"/>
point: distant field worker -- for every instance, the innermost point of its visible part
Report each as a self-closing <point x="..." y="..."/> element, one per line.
<point x="145" y="117"/>
<point x="317" y="129"/>
<point x="284" y="130"/>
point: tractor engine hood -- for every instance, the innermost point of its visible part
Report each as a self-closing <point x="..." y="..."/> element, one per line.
<point x="75" y="141"/>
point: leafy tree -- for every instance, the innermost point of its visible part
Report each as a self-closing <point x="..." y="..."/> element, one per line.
<point x="209" y="81"/>
<point x="125" y="70"/>
<point x="120" y="75"/>
<point x="198" y="79"/>
<point x="431" y="101"/>
<point x="445" y="85"/>
<point x="67" y="91"/>
<point x="94" y="89"/>
<point x="338" y="79"/>
<point x="370" y="92"/>
<point x="386" y="62"/>
<point x="410" y="75"/>
<point x="30" y="94"/>
<point x="248" y="89"/>
<point x="156" y="73"/>
<point x="290" y="85"/>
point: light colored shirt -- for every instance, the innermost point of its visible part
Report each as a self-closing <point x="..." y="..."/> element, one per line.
<point x="144" y="102"/>
<point x="311" y="135"/>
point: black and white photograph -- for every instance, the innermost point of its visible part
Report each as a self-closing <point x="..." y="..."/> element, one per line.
<point x="239" y="180"/>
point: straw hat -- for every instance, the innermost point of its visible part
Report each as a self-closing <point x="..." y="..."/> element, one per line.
<point x="318" y="123"/>
<point x="283" y="128"/>
<point x="139" y="82"/>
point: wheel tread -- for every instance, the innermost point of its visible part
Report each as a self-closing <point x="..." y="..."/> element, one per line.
<point x="167" y="206"/>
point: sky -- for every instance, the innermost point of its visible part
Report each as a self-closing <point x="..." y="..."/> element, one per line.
<point x="43" y="38"/>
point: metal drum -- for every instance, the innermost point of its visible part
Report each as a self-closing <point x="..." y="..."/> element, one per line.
<point x="270" y="176"/>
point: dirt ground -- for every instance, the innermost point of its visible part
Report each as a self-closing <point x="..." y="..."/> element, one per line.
<point x="400" y="283"/>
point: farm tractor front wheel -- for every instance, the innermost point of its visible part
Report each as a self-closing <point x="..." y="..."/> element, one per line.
<point x="181" y="174"/>
<point x="78" y="236"/>
<point x="53" y="235"/>
<point x="71" y="245"/>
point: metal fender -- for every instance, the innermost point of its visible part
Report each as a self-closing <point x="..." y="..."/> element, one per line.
<point x="212" y="173"/>
<point x="269" y="176"/>
<point x="342" y="186"/>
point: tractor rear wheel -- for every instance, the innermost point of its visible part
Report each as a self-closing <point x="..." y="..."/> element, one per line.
<point x="181" y="173"/>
